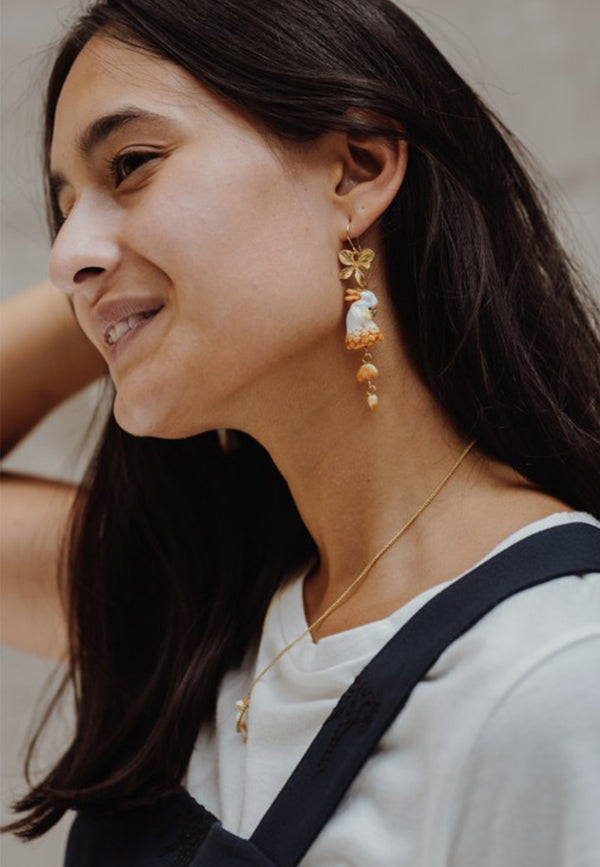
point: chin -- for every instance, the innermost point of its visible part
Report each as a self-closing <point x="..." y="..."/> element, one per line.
<point x="152" y="420"/>
<point x="140" y="421"/>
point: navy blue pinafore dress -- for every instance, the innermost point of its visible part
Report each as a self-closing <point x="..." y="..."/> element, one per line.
<point x="179" y="832"/>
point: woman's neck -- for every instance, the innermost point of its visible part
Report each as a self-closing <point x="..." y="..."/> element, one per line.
<point x="357" y="477"/>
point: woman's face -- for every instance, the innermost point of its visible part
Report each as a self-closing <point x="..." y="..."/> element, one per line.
<point x="201" y="218"/>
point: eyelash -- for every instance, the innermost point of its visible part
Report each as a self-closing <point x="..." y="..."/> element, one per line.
<point x="116" y="162"/>
<point x="113" y="164"/>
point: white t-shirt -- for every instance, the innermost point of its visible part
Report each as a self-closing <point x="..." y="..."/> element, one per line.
<point x="494" y="761"/>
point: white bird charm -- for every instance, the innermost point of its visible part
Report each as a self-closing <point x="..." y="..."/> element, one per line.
<point x="361" y="330"/>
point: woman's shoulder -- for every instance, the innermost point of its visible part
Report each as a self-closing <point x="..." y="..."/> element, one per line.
<point x="531" y="630"/>
<point x="535" y="755"/>
<point x="515" y="701"/>
<point x="537" y="619"/>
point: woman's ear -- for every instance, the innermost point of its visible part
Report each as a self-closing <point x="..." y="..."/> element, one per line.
<point x="370" y="171"/>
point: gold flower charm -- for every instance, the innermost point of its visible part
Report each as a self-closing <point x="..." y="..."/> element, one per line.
<point x="355" y="261"/>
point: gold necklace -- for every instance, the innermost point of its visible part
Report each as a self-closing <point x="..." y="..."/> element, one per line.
<point x="243" y="704"/>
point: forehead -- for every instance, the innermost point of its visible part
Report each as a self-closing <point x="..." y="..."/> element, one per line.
<point x="107" y="74"/>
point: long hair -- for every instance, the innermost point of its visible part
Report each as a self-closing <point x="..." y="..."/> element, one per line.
<point x="177" y="546"/>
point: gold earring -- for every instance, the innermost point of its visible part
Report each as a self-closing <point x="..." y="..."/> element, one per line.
<point x="361" y="330"/>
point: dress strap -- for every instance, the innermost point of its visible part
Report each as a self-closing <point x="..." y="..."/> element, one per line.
<point x="380" y="691"/>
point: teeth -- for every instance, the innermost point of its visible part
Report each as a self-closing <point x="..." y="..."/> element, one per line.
<point x="125" y="325"/>
<point x="136" y="317"/>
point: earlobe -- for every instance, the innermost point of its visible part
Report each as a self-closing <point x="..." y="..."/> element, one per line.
<point x="372" y="173"/>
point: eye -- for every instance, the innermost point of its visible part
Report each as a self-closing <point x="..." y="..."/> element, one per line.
<point x="122" y="165"/>
<point x="59" y="219"/>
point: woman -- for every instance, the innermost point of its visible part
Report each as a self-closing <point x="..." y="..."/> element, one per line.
<point x="239" y="192"/>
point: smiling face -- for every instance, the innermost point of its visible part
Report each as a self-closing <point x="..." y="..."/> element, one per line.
<point x="201" y="217"/>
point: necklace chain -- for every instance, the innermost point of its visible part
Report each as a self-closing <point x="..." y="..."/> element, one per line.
<point x="243" y="705"/>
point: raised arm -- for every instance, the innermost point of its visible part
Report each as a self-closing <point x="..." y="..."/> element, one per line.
<point x="45" y="358"/>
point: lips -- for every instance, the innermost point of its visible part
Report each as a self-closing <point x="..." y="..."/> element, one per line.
<point x="112" y="319"/>
<point x="128" y="324"/>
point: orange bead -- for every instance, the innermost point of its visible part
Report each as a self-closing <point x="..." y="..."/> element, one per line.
<point x="367" y="371"/>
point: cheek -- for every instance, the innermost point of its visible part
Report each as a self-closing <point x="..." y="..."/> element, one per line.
<point x="245" y="248"/>
<point x="250" y="274"/>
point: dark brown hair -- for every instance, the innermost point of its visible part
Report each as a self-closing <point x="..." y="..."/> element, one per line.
<point x="176" y="546"/>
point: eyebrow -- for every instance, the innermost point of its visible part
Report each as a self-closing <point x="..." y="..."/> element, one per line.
<point x="97" y="132"/>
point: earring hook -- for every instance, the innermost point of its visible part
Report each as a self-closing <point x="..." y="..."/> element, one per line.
<point x="349" y="238"/>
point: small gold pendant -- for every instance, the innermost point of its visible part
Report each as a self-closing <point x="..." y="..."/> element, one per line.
<point x="240" y="725"/>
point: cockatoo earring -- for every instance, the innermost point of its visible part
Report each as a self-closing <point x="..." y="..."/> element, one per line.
<point x="361" y="330"/>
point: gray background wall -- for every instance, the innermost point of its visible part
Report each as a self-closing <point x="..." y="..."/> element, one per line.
<point x="534" y="61"/>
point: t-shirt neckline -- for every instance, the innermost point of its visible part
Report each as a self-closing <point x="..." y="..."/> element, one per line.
<point x="287" y="618"/>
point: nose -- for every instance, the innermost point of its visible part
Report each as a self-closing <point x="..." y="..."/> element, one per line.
<point x="85" y="251"/>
